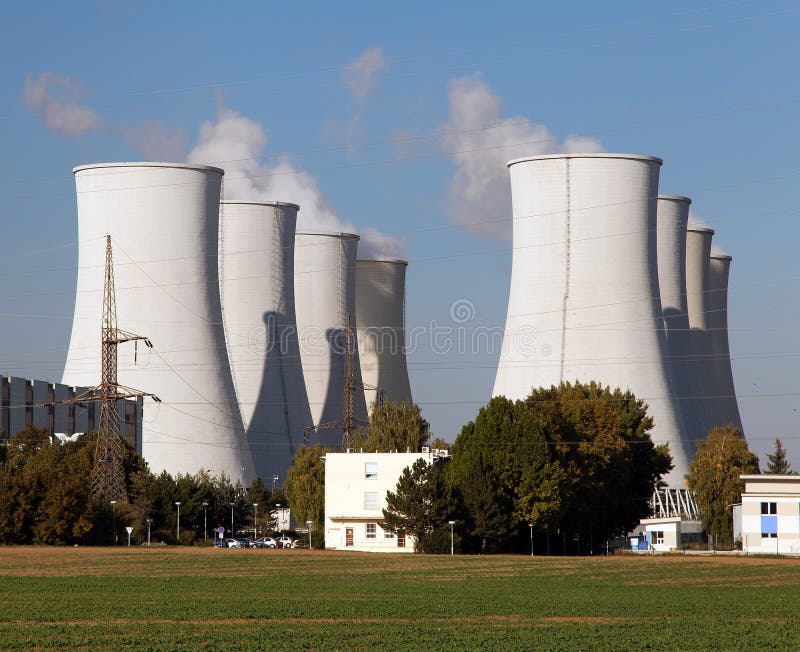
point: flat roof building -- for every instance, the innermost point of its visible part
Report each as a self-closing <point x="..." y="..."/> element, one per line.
<point x="770" y="514"/>
<point x="355" y="495"/>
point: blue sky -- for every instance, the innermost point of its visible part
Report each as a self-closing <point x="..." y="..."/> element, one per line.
<point x="354" y="99"/>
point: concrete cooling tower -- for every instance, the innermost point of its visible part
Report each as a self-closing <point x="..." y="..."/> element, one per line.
<point x="325" y="270"/>
<point x="672" y="218"/>
<point x="380" y="315"/>
<point x="256" y="280"/>
<point x="726" y="408"/>
<point x="163" y="219"/>
<point x="701" y="361"/>
<point x="584" y="300"/>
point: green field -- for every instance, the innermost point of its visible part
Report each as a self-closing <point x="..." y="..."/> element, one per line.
<point x="192" y="598"/>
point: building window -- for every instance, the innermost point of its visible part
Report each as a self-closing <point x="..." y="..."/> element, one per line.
<point x="657" y="536"/>
<point x="769" y="520"/>
<point x="371" y="470"/>
<point x="372" y="530"/>
<point x="388" y="535"/>
<point x="371" y="500"/>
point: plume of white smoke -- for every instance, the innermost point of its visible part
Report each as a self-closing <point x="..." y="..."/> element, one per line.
<point x="360" y="78"/>
<point x="156" y="141"/>
<point x="236" y="143"/>
<point x="56" y="99"/>
<point x="480" y="142"/>
<point x="696" y="222"/>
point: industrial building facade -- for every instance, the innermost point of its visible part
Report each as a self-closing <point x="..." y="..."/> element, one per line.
<point x="355" y="495"/>
<point x="45" y="405"/>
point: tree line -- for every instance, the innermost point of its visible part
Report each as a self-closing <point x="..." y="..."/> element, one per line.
<point x="45" y="498"/>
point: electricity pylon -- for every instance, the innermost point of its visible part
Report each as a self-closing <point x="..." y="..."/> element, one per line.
<point x="108" y="473"/>
<point x="348" y="421"/>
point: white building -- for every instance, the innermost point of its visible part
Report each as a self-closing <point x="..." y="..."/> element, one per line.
<point x="662" y="534"/>
<point x="355" y="495"/>
<point x="770" y="514"/>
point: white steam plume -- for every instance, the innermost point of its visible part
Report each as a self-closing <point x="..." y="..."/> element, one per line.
<point x="236" y="143"/>
<point x="55" y="100"/>
<point x="696" y="222"/>
<point x="361" y="79"/>
<point x="360" y="76"/>
<point x="718" y="250"/>
<point x="156" y="141"/>
<point x="480" y="143"/>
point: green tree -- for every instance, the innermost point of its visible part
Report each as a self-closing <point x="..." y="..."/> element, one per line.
<point x="305" y="488"/>
<point x="714" y="478"/>
<point x="778" y="463"/>
<point x="507" y="444"/>
<point x="394" y="427"/>
<point x="602" y="442"/>
<point x="486" y="510"/>
<point x="421" y="503"/>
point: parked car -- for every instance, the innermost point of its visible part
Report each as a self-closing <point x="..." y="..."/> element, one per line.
<point x="233" y="543"/>
<point x="285" y="542"/>
<point x="269" y="542"/>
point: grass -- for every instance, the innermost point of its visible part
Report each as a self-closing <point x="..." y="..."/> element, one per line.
<point x="193" y="598"/>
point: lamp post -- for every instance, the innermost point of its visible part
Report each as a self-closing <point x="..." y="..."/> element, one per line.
<point x="452" y="523"/>
<point x="255" y="522"/>
<point x="178" y="526"/>
<point x="114" y="519"/>
<point x="309" y="524"/>
<point x="278" y="524"/>
<point x="530" y="525"/>
<point x="205" y="521"/>
<point x="232" y="505"/>
<point x="149" y="520"/>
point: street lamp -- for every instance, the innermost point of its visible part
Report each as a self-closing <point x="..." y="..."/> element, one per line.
<point x="149" y="520"/>
<point x="232" y="505"/>
<point x="452" y="523"/>
<point x="279" y="524"/>
<point x="309" y="524"/>
<point x="178" y="527"/>
<point x="255" y="522"/>
<point x="114" y="519"/>
<point x="205" y="521"/>
<point x="530" y="525"/>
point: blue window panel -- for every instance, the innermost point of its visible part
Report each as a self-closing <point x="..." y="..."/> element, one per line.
<point x="769" y="524"/>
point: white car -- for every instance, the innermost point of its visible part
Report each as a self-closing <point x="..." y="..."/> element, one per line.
<point x="286" y="542"/>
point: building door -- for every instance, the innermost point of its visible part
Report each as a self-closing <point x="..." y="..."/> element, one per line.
<point x="401" y="540"/>
<point x="348" y="536"/>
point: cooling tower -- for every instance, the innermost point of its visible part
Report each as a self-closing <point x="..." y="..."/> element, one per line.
<point x="380" y="315"/>
<point x="726" y="407"/>
<point x="701" y="361"/>
<point x="163" y="219"/>
<point x="584" y="299"/>
<point x="672" y="218"/>
<point x="256" y="280"/>
<point x="325" y="271"/>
